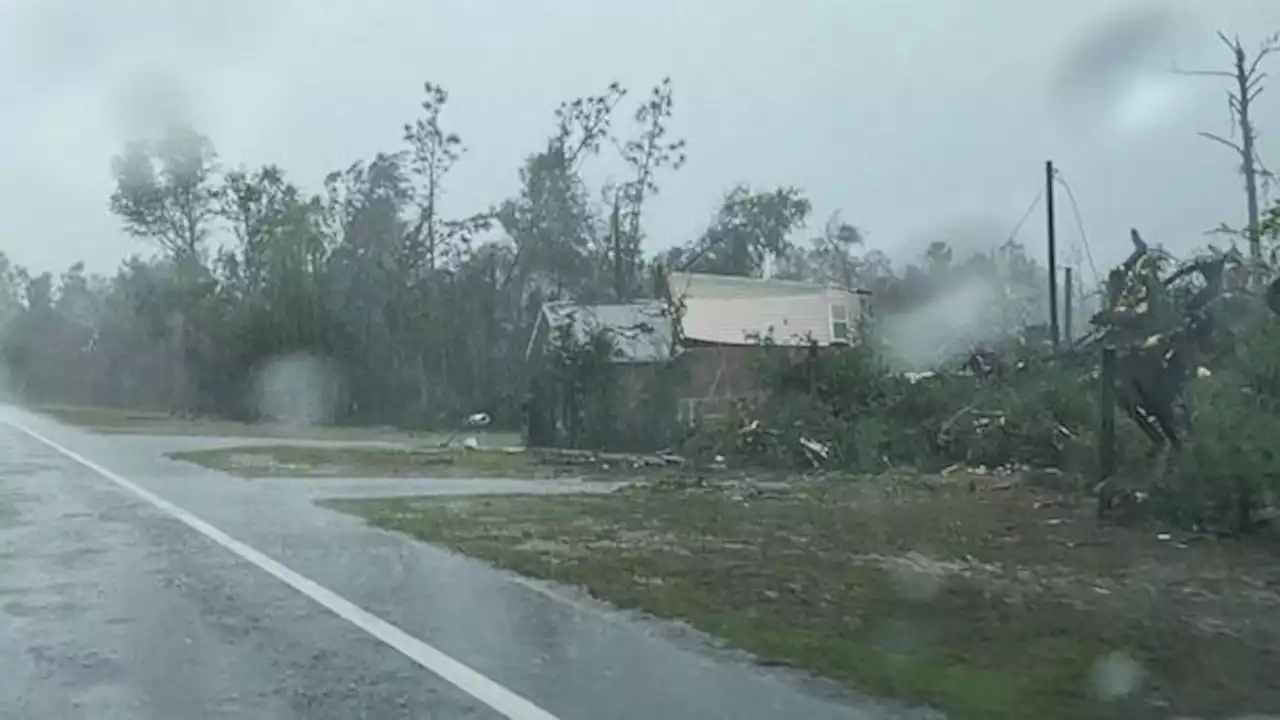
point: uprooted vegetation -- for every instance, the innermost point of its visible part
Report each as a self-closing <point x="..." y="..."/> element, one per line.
<point x="1196" y="385"/>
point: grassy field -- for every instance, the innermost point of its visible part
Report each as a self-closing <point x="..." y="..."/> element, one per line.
<point x="123" y="421"/>
<point x="981" y="597"/>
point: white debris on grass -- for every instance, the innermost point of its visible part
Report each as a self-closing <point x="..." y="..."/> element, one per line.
<point x="1115" y="676"/>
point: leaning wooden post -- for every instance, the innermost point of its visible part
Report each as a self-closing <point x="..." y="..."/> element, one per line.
<point x="1107" y="418"/>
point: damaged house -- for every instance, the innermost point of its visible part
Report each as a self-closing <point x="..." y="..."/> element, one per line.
<point x="648" y="373"/>
<point x="727" y="322"/>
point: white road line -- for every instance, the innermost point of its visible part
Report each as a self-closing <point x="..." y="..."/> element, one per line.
<point x="478" y="686"/>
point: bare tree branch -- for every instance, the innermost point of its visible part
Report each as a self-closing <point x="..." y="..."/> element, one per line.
<point x="1224" y="141"/>
<point x="1247" y="84"/>
<point x="1257" y="60"/>
<point x="1212" y="73"/>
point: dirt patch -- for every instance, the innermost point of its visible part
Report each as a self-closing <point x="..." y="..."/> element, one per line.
<point x="995" y="600"/>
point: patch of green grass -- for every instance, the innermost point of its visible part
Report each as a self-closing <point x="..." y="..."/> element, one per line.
<point x="1032" y="593"/>
<point x="103" y="417"/>
<point x="257" y="461"/>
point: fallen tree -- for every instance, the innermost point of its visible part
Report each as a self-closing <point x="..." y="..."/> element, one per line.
<point x="1197" y="349"/>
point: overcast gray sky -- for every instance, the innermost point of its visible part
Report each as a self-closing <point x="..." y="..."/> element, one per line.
<point x="918" y="119"/>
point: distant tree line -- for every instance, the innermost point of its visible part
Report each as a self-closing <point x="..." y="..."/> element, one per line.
<point x="425" y="315"/>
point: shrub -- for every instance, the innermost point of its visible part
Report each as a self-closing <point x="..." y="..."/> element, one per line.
<point x="1230" y="466"/>
<point x="871" y="418"/>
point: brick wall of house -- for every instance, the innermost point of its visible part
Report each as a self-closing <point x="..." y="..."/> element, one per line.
<point x="721" y="374"/>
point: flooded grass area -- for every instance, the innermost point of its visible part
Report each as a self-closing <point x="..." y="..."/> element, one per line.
<point x="983" y="599"/>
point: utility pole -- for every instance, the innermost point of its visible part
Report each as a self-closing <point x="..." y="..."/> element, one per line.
<point x="1052" y="232"/>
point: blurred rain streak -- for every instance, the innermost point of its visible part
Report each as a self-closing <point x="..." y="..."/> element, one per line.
<point x="1119" y="80"/>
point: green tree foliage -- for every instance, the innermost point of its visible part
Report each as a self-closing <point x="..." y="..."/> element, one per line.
<point x="832" y="257"/>
<point x="1270" y="232"/>
<point x="750" y="229"/>
<point x="166" y="192"/>
<point x="648" y="152"/>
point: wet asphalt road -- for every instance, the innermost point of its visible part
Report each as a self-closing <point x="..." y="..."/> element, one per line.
<point x="111" y="607"/>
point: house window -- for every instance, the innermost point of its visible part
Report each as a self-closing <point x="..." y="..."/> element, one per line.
<point x="839" y="323"/>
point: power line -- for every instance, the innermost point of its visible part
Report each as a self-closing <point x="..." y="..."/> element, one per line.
<point x="1022" y="220"/>
<point x="1084" y="237"/>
